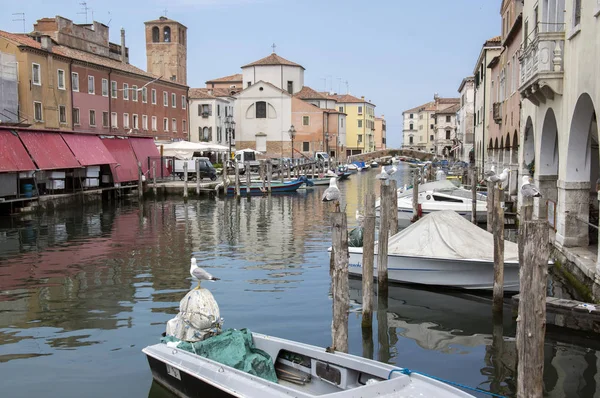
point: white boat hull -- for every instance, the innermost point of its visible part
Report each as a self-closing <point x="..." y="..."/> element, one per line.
<point x="463" y="274"/>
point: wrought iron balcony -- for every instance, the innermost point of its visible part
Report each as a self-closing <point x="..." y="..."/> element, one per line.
<point x="542" y="65"/>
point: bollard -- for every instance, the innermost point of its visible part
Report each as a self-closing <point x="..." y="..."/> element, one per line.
<point x="531" y="321"/>
<point x="185" y="179"/>
<point x="368" y="260"/>
<point x="498" y="227"/>
<point x="341" y="300"/>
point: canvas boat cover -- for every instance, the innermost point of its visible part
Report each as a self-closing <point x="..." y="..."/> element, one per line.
<point x="445" y="234"/>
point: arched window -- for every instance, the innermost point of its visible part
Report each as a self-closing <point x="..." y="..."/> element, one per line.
<point x="155" y="34"/>
<point x="167" y="34"/>
<point x="261" y="110"/>
<point x="205" y="135"/>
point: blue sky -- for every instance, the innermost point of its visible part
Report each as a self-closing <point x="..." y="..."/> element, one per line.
<point x="397" y="53"/>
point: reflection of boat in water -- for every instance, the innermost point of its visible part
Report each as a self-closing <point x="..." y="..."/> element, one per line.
<point x="437" y="318"/>
<point x="276" y="187"/>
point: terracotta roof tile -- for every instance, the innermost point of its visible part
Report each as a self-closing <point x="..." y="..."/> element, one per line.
<point x="449" y="109"/>
<point x="212" y="93"/>
<point x="308" y="93"/>
<point x="448" y="100"/>
<point x="238" y="77"/>
<point x="24" y="40"/>
<point x="347" y="98"/>
<point x="429" y="106"/>
<point x="273" y="59"/>
<point x="164" y="20"/>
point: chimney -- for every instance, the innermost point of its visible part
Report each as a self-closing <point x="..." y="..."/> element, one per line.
<point x="123" y="50"/>
<point x="46" y="43"/>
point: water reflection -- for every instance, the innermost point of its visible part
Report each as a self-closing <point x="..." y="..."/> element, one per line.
<point x="83" y="290"/>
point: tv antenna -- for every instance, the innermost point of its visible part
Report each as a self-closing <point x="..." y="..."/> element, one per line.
<point x="324" y="83"/>
<point x="20" y="17"/>
<point x="339" y="79"/>
<point x="85" y="11"/>
<point x="347" y="87"/>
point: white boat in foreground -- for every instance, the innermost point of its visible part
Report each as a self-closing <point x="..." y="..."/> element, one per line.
<point x="444" y="249"/>
<point x="313" y="372"/>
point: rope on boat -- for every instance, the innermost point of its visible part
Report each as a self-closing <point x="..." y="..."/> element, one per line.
<point x="408" y="373"/>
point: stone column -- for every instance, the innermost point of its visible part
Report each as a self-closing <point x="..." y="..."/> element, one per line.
<point x="572" y="212"/>
<point x="547" y="186"/>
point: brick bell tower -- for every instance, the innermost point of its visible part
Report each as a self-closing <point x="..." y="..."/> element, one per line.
<point x="166" y="49"/>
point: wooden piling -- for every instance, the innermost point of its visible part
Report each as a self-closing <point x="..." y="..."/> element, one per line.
<point x="498" y="228"/>
<point x="313" y="171"/>
<point x="393" y="207"/>
<point x="154" y="177"/>
<point x="531" y="321"/>
<point x="237" y="180"/>
<point x="280" y="170"/>
<point x="248" y="177"/>
<point x="185" y="179"/>
<point x="382" y="244"/>
<point x="289" y="170"/>
<point x="490" y="206"/>
<point x="225" y="178"/>
<point x="198" y="178"/>
<point x="341" y="300"/>
<point x="140" y="184"/>
<point x="269" y="175"/>
<point x="474" y="195"/>
<point x="368" y="260"/>
<point x="415" y="197"/>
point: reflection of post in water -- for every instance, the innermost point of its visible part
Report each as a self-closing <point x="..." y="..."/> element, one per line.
<point x="497" y="352"/>
<point x="382" y="326"/>
<point x="367" y="341"/>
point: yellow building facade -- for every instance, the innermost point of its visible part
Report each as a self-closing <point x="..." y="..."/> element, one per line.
<point x="360" y="119"/>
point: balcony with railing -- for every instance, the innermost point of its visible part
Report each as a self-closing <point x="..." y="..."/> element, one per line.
<point x="542" y="65"/>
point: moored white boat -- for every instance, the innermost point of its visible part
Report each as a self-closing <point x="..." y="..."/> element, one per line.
<point x="444" y="249"/>
<point x="303" y="371"/>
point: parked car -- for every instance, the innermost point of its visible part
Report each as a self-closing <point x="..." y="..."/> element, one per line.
<point x="206" y="168"/>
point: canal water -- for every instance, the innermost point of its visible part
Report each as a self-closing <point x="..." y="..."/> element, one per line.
<point x="82" y="291"/>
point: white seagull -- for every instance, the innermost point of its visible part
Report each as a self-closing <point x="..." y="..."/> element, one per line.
<point x="499" y="178"/>
<point x="383" y="175"/>
<point x="199" y="274"/>
<point x="360" y="218"/>
<point x="528" y="190"/>
<point x="392" y="170"/>
<point x="140" y="88"/>
<point x="490" y="172"/>
<point x="332" y="193"/>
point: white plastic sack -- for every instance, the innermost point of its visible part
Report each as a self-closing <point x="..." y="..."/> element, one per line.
<point x="198" y="318"/>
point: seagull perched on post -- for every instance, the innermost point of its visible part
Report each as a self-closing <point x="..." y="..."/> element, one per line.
<point x="392" y="170"/>
<point x="199" y="274"/>
<point x="383" y="175"/>
<point x="332" y="193"/>
<point x="490" y="172"/>
<point x="528" y="190"/>
<point x="499" y="178"/>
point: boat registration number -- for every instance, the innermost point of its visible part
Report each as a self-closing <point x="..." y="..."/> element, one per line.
<point x="174" y="372"/>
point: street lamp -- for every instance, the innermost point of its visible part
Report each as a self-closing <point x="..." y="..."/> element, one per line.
<point x="292" y="133"/>
<point x="229" y="129"/>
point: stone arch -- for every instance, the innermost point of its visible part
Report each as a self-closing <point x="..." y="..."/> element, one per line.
<point x="507" y="158"/>
<point x="528" y="145"/>
<point x="514" y="156"/>
<point x="167" y="34"/>
<point x="155" y="34"/>
<point x="548" y="162"/>
<point x="579" y="153"/>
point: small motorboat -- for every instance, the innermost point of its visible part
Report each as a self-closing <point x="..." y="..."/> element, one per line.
<point x="302" y="370"/>
<point x="444" y="249"/>
<point x="352" y="168"/>
<point x="374" y="164"/>
<point x="256" y="188"/>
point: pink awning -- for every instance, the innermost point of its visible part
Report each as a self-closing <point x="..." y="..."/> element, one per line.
<point x="88" y="149"/>
<point x="13" y="156"/>
<point x="126" y="168"/>
<point x="48" y="150"/>
<point x="145" y="148"/>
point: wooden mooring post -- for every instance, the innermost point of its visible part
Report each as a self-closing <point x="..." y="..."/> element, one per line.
<point x="154" y="177"/>
<point x="289" y="170"/>
<point x="382" y="244"/>
<point x="341" y="300"/>
<point x="198" y="178"/>
<point x="237" y="180"/>
<point x="185" y="179"/>
<point x="393" y="207"/>
<point x="248" y="178"/>
<point x="415" y="197"/>
<point x="140" y="183"/>
<point x="269" y="175"/>
<point x="490" y="206"/>
<point x="531" y="321"/>
<point x="474" y="194"/>
<point x="498" y="231"/>
<point x="261" y="174"/>
<point x="368" y="260"/>
<point x="280" y="170"/>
